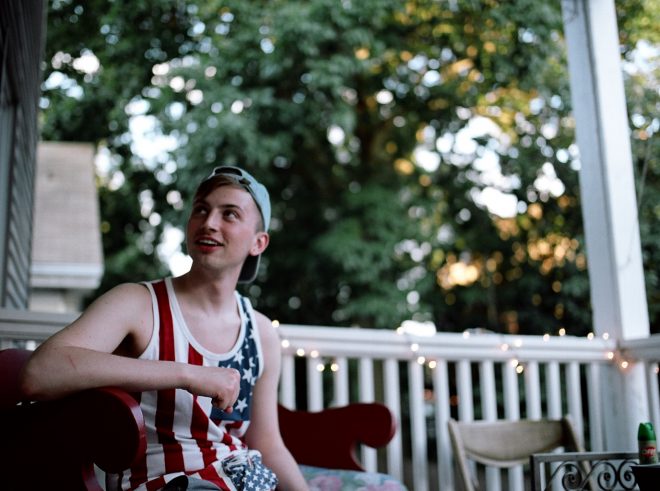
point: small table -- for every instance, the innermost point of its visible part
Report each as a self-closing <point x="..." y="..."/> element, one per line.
<point x="576" y="471"/>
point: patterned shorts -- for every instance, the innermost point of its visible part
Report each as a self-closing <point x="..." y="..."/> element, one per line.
<point x="248" y="473"/>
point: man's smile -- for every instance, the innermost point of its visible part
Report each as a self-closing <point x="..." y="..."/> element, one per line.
<point x="207" y="244"/>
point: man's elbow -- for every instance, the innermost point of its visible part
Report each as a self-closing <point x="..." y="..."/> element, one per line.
<point x="32" y="385"/>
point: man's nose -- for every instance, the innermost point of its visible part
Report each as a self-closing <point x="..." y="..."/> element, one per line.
<point x="213" y="220"/>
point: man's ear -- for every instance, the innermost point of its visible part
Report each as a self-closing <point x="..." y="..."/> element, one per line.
<point x="260" y="243"/>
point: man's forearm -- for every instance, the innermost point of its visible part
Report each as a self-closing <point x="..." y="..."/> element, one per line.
<point x="286" y="469"/>
<point x="56" y="371"/>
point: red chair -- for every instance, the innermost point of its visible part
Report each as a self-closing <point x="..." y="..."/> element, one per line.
<point x="329" y="438"/>
<point x="55" y="444"/>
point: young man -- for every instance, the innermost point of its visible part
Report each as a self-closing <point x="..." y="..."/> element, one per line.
<point x="203" y="364"/>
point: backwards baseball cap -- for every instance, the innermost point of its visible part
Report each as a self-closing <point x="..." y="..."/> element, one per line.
<point x="259" y="193"/>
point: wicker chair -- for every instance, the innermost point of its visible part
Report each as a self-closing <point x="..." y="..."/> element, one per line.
<point x="506" y="444"/>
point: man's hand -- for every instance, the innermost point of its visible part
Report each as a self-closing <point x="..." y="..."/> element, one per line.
<point x="220" y="384"/>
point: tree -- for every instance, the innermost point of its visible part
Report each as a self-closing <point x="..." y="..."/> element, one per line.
<point x="384" y="129"/>
<point x="99" y="57"/>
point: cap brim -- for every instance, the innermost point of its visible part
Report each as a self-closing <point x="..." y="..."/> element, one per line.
<point x="250" y="269"/>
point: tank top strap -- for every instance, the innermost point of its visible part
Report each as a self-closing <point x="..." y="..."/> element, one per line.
<point x="166" y="323"/>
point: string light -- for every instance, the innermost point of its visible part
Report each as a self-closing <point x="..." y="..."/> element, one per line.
<point x="275" y="323"/>
<point x="432" y="364"/>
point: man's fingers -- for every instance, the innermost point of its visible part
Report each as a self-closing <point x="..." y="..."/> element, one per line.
<point x="219" y="404"/>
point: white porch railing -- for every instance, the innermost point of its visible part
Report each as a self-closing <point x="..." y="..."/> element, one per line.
<point x="427" y="380"/>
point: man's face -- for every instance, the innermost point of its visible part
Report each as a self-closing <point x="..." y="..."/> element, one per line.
<point x="223" y="229"/>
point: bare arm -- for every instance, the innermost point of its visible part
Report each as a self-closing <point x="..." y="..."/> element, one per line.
<point x="264" y="430"/>
<point x="82" y="355"/>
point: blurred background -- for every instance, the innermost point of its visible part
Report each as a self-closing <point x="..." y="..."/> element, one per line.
<point x="420" y="155"/>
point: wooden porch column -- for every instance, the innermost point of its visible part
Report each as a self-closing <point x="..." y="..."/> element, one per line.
<point x="609" y="206"/>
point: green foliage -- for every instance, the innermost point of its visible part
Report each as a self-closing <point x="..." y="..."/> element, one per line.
<point x="361" y="118"/>
<point x="644" y="105"/>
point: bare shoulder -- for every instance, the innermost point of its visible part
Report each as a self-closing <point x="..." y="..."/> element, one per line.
<point x="271" y="349"/>
<point x="127" y="299"/>
<point x="267" y="332"/>
<point x="130" y="302"/>
<point x="122" y="312"/>
<point x="128" y="291"/>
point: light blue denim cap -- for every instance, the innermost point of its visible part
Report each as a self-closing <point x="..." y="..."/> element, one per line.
<point x="244" y="179"/>
<point x="260" y="195"/>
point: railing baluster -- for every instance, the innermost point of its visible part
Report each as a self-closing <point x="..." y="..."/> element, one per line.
<point x="314" y="385"/>
<point x="512" y="412"/>
<point x="340" y="382"/>
<point x="442" y="414"/>
<point x="366" y="388"/>
<point x="574" y="395"/>
<point x="595" y="409"/>
<point x="418" y="426"/>
<point x="533" y="391"/>
<point x="287" y="382"/>
<point x="464" y="390"/>
<point x="393" y="401"/>
<point x="553" y="390"/>
<point x="366" y="379"/>
<point x="465" y="398"/>
<point x="553" y="396"/>
<point x="489" y="413"/>
<point x="488" y="392"/>
<point x="511" y="392"/>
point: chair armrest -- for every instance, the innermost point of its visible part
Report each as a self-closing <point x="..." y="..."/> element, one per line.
<point x="108" y="424"/>
<point x="12" y="362"/>
<point x="329" y="438"/>
<point x="62" y="439"/>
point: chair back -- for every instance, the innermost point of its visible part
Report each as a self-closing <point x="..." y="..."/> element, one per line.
<point x="505" y="444"/>
<point x="329" y="438"/>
